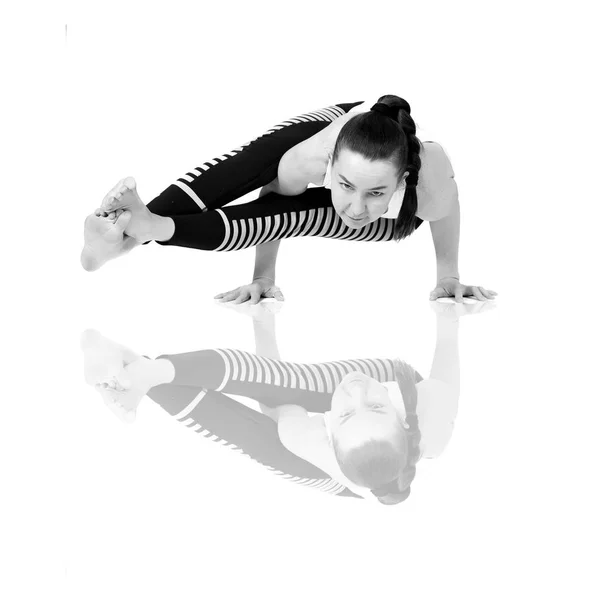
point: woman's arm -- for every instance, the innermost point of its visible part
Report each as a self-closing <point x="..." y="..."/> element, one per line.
<point x="294" y="173"/>
<point x="446" y="234"/>
<point x="438" y="396"/>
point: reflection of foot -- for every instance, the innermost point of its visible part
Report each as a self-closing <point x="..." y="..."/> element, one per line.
<point x="121" y="376"/>
<point x="105" y="240"/>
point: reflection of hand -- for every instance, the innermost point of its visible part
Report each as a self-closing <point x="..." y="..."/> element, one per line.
<point x="261" y="312"/>
<point x="452" y="311"/>
<point x="253" y="292"/>
<point x="450" y="286"/>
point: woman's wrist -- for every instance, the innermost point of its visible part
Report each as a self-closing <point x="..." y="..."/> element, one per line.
<point x="447" y="277"/>
<point x="267" y="277"/>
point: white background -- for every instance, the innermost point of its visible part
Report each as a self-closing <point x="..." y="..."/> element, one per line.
<point x="92" y="508"/>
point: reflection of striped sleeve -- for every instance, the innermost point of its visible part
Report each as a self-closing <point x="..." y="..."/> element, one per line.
<point x="217" y="417"/>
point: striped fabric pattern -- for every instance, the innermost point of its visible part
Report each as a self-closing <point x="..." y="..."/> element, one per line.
<point x="327" y="114"/>
<point x="321" y="222"/>
<point x="319" y="377"/>
<point x="327" y="485"/>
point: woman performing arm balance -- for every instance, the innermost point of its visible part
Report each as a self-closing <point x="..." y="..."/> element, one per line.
<point x="378" y="182"/>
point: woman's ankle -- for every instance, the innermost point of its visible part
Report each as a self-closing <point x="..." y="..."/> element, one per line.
<point x="164" y="370"/>
<point x="163" y="228"/>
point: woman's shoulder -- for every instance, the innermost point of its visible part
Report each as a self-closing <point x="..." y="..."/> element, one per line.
<point x="435" y="184"/>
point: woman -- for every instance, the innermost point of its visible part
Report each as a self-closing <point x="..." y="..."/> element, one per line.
<point x="369" y="163"/>
<point x="349" y="427"/>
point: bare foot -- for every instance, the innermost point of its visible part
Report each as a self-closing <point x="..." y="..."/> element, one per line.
<point x="121" y="376"/>
<point x="105" y="239"/>
<point x="123" y="195"/>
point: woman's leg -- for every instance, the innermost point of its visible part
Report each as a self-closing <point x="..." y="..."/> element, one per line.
<point x="270" y="218"/>
<point x="209" y="186"/>
<point x="214" y="415"/>
<point x="271" y="382"/>
<point x="226" y="178"/>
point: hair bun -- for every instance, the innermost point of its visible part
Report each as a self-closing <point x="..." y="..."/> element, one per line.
<point x="386" y="110"/>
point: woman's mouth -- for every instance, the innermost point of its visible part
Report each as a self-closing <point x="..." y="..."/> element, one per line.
<point x="354" y="219"/>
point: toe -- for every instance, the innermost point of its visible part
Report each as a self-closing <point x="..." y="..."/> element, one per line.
<point x="129" y="182"/>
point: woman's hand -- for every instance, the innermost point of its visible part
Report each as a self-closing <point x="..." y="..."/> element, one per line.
<point x="451" y="286"/>
<point x="253" y="292"/>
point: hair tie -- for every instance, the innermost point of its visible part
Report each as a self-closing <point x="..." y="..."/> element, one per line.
<point x="412" y="179"/>
<point x="386" y="110"/>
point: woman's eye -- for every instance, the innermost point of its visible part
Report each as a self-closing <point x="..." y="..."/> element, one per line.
<point x="377" y="194"/>
<point x="347" y="187"/>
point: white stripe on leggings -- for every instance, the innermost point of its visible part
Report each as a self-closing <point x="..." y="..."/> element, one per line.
<point x="191" y="193"/>
<point x="191" y="406"/>
<point x="327" y="114"/>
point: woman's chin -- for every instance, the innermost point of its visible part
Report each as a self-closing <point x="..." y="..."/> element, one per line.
<point x="355" y="224"/>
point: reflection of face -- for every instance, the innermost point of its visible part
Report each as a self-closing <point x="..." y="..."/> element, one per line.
<point x="361" y="410"/>
<point x="361" y="189"/>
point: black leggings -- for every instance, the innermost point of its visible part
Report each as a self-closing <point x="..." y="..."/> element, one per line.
<point x="198" y="398"/>
<point x="196" y="201"/>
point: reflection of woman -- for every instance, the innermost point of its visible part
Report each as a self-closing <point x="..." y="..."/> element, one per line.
<point x="355" y="427"/>
<point x="373" y="433"/>
<point x="368" y="160"/>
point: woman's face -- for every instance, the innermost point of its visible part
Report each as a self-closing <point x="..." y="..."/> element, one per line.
<point x="361" y="409"/>
<point x="361" y="189"/>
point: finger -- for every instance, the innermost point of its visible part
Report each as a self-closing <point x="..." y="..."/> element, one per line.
<point x="487" y="293"/>
<point x="227" y="296"/>
<point x="279" y="296"/>
<point x="254" y="296"/>
<point x="459" y="293"/>
<point x="477" y="293"/>
<point x="242" y="297"/>
<point x="438" y="292"/>
<point x="230" y="298"/>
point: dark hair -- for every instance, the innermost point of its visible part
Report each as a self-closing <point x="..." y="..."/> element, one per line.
<point x="380" y="465"/>
<point x="378" y="137"/>
<point x="373" y="464"/>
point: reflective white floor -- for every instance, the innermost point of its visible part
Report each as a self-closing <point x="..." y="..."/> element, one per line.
<point x="94" y="507"/>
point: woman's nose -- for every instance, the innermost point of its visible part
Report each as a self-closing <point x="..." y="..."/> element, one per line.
<point x="356" y="389"/>
<point x="358" y="207"/>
